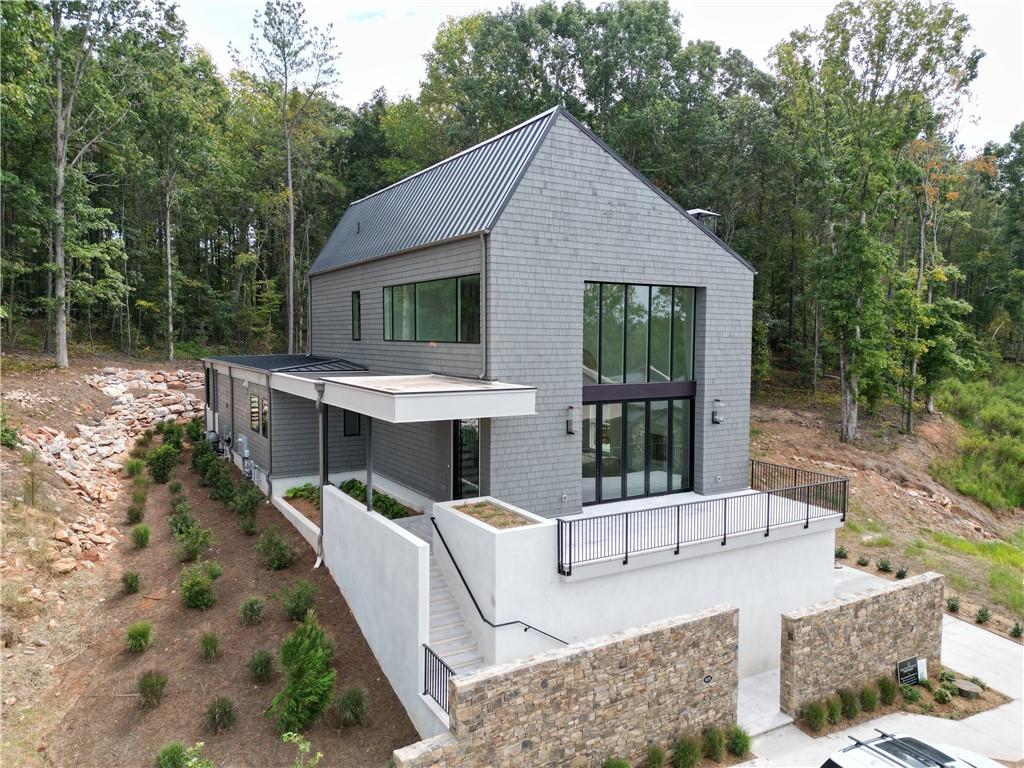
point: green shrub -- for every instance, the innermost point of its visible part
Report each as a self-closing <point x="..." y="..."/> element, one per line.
<point x="194" y="431"/>
<point x="275" y="553"/>
<point x="136" y="513"/>
<point x="251" y="612"/>
<point x="213" y="569"/>
<point x="841" y="553"/>
<point x="850" y="702"/>
<point x="192" y="542"/>
<point x="953" y="604"/>
<point x="139" y="636"/>
<point x="151" y="687"/>
<point x="863" y="561"/>
<point x="926" y="684"/>
<point x="1018" y="629"/>
<point x="8" y="434"/>
<point x="814" y="714"/>
<point x="982" y="616"/>
<point x="946" y="675"/>
<point x="196" y="588"/>
<point x="887" y="690"/>
<point x="869" y="698"/>
<point x="382" y="503"/>
<point x="685" y="753"/>
<point x="950" y="688"/>
<point x="350" y="707"/>
<point x="139" y="496"/>
<point x="308" y="491"/>
<point x="737" y="741"/>
<point x="172" y="756"/>
<point x="884" y="565"/>
<point x="910" y="694"/>
<point x="181" y="519"/>
<point x="248" y="525"/>
<point x="306" y="657"/>
<point x="215" y="471"/>
<point x="655" y="756"/>
<point x="202" y="461"/>
<point x="174" y="488"/>
<point x="140" y="481"/>
<point x="209" y="646"/>
<point x="246" y="500"/>
<point x="978" y="682"/>
<point x="161" y="461"/>
<point x="943" y="696"/>
<point x="834" y="708"/>
<point x="174" y="434"/>
<point x="134" y="467"/>
<point x="220" y="714"/>
<point x="261" y="667"/>
<point x="140" y="536"/>
<point x="714" y="744"/>
<point x="901" y="572"/>
<point x="297" y="599"/>
<point x="130" y="582"/>
<point x="615" y="762"/>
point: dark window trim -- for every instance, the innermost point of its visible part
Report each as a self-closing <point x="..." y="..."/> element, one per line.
<point x="254" y="415"/>
<point x="357" y="319"/>
<point x="654" y="390"/>
<point x="345" y="419"/>
<point x="265" y="417"/>
<point x="458" y="308"/>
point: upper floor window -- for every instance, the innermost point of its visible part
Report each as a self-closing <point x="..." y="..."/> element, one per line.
<point x="436" y="310"/>
<point x="357" y="320"/>
<point x="254" y="413"/>
<point x="637" y="333"/>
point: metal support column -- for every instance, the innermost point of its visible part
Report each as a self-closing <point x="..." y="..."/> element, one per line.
<point x="321" y="418"/>
<point x="369" y="463"/>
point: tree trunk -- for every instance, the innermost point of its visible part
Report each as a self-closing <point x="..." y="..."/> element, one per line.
<point x="817" y="355"/>
<point x="291" y="243"/>
<point x="170" y="273"/>
<point x="929" y="404"/>
<point x="848" y="384"/>
<point x="60" y="156"/>
<point x="911" y="389"/>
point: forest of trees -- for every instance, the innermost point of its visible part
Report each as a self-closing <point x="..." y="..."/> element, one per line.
<point x="152" y="204"/>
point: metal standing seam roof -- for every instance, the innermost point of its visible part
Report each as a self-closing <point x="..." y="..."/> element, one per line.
<point x="289" y="363"/>
<point x="457" y="197"/>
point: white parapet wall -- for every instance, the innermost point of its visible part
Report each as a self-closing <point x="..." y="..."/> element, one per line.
<point x="513" y="575"/>
<point x="384" y="573"/>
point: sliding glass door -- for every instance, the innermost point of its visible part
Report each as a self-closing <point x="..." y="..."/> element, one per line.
<point x="636" y="448"/>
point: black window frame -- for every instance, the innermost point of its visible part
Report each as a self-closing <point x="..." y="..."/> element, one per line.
<point x="357" y="319"/>
<point x="265" y="417"/>
<point x="387" y="302"/>
<point x="254" y="413"/>
<point x="346" y="427"/>
<point x="206" y="386"/>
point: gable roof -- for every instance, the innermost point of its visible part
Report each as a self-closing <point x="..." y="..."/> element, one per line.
<point x="458" y="197"/>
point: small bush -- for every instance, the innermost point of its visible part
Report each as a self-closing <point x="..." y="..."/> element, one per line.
<point x="193" y="542"/>
<point x="815" y="715"/>
<point x="213" y="569"/>
<point x="136" y="513"/>
<point x="655" y="756"/>
<point x="248" y="525"/>
<point x="306" y="657"/>
<point x="850" y="702"/>
<point x="246" y="500"/>
<point x="887" y="690"/>
<point x="222" y="487"/>
<point x="946" y="676"/>
<point x="834" y="709"/>
<point x="926" y="684"/>
<point x="194" y="431"/>
<point x="978" y="682"/>
<point x="139" y="636"/>
<point x="863" y="561"/>
<point x="151" y="688"/>
<point x="172" y="756"/>
<point x="140" y="536"/>
<point x="950" y="688"/>
<point x="884" y="565"/>
<point x="982" y="616"/>
<point x="174" y="434"/>
<point x="161" y="461"/>
<point x="209" y="646"/>
<point x="943" y="696"/>
<point x="737" y="741"/>
<point x="686" y="753"/>
<point x="350" y="707"/>
<point x="196" y="589"/>
<point x="181" y="520"/>
<point x="901" y="572"/>
<point x="174" y="488"/>
<point x="953" y="604"/>
<point x="615" y="762"/>
<point x="841" y="553"/>
<point x="275" y="553"/>
<point x="261" y="667"/>
<point x="869" y="698"/>
<point x="220" y="715"/>
<point x="309" y="491"/>
<point x="1018" y="629"/>
<point x="297" y="599"/>
<point x="251" y="612"/>
<point x="130" y="582"/>
<point x="202" y="461"/>
<point x="134" y="467"/>
<point x="140" y="481"/>
<point x="910" y="694"/>
<point x="714" y="744"/>
<point x="139" y="496"/>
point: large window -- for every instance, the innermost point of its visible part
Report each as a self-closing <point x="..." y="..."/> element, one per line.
<point x="466" y="444"/>
<point x="636" y="448"/>
<point x="436" y="310"/>
<point x="637" y="333"/>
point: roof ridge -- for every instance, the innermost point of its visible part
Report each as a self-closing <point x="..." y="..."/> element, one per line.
<point x="545" y="114"/>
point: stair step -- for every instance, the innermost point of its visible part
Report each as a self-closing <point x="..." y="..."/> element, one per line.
<point x="452" y="644"/>
<point x="467" y="666"/>
<point x="463" y="658"/>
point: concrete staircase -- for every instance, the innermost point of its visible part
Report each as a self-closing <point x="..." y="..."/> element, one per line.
<point x="450" y="637"/>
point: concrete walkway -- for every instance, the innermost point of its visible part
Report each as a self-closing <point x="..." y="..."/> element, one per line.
<point x="966" y="648"/>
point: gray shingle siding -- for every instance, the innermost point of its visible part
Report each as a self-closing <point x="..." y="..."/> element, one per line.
<point x="295" y="439"/>
<point x="579" y="215"/>
<point x="331" y="302"/>
<point x="259" y="446"/>
<point x="415" y="455"/>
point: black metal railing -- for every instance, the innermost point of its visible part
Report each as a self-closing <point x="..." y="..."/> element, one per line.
<point x="781" y="496"/>
<point x="435" y="677"/>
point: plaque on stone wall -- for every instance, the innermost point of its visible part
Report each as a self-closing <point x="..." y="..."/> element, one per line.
<point x="907" y="671"/>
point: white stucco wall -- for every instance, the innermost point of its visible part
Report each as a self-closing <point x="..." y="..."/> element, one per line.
<point x="384" y="573"/>
<point x="515" y="578"/>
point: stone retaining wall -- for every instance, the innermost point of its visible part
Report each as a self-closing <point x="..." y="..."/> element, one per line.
<point x="611" y="696"/>
<point x="851" y="641"/>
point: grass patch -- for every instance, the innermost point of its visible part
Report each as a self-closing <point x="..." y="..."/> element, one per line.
<point x="880" y="541"/>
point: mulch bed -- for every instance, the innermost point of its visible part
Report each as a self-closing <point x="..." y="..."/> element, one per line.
<point x="307" y="508"/>
<point x="494" y="515"/>
<point x="106" y="725"/>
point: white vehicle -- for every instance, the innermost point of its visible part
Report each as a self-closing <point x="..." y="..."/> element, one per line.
<point x="897" y="751"/>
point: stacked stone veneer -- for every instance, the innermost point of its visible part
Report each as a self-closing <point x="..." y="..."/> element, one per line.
<point x="854" y="640"/>
<point x="609" y="696"/>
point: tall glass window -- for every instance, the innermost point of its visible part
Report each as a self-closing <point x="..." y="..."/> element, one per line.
<point x="661" y="334"/>
<point x="591" y="331"/>
<point x="682" y="334"/>
<point x="434" y="310"/>
<point x="467" y="458"/>
<point x="681" y="444"/>
<point x="590" y="454"/>
<point x="611" y="451"/>
<point x="613" y="303"/>
<point x="636" y="449"/>
<point x="469" y="309"/>
<point x="657" y="447"/>
<point x="357" y="319"/>
<point x="637" y="311"/>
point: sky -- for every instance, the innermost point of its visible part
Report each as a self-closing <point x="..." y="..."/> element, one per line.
<point x="382" y="43"/>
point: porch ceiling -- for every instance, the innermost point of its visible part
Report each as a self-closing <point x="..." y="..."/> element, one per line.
<point x="419" y="397"/>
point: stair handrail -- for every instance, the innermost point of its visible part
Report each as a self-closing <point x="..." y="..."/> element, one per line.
<point x="526" y="627"/>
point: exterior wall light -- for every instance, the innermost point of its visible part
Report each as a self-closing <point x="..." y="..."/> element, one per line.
<point x="572" y="417"/>
<point x="717" y="412"/>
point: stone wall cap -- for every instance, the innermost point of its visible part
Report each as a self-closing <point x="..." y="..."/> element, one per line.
<point x="856" y="597"/>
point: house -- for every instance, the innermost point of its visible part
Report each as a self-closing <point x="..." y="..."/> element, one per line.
<point x="534" y="322"/>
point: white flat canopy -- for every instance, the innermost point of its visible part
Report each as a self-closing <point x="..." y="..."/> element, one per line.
<point x="421" y="397"/>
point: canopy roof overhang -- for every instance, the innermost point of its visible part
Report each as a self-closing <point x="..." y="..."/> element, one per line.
<point x="403" y="399"/>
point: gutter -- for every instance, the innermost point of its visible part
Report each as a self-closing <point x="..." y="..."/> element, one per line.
<point x="270" y="439"/>
<point x="483" y="306"/>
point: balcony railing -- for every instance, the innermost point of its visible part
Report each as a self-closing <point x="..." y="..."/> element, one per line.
<point x="779" y="496"/>
<point x="435" y="677"/>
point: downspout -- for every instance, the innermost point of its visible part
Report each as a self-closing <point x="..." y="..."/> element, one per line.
<point x="483" y="306"/>
<point x="231" y="445"/>
<point x="322" y="455"/>
<point x="270" y="440"/>
<point x="309" y="315"/>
